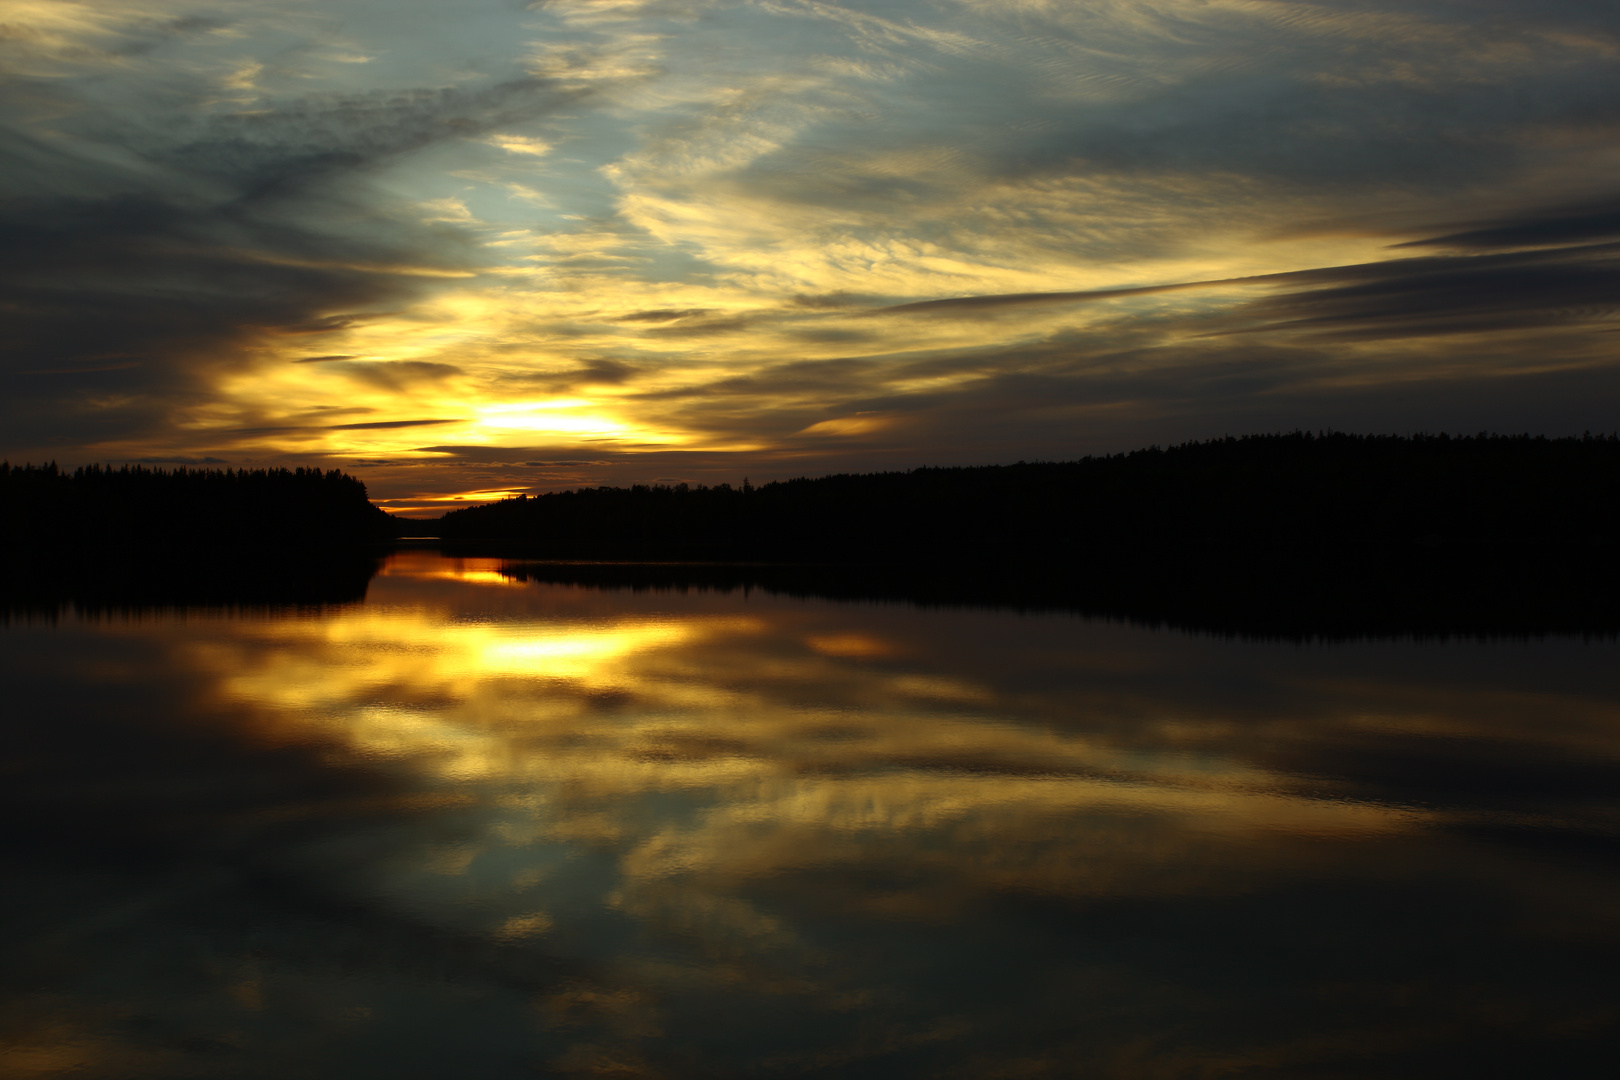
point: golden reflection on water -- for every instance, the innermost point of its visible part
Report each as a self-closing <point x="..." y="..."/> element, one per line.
<point x="750" y="783"/>
<point x="796" y="748"/>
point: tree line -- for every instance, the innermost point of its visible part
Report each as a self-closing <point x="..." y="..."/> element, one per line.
<point x="1296" y="491"/>
<point x="1292" y="491"/>
<point x="49" y="510"/>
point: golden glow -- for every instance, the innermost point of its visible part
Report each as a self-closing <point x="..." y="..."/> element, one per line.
<point x="570" y="653"/>
<point x="520" y="144"/>
<point x="470" y="251"/>
<point x="850" y="644"/>
<point x="476" y="577"/>
<point x="731" y="774"/>
<point x="698" y="256"/>
<point x="849" y="425"/>
<point x="531" y="406"/>
<point x="756" y="709"/>
<point x="448" y="502"/>
<point x="548" y="417"/>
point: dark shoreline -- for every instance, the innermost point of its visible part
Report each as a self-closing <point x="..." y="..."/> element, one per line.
<point x="1264" y="493"/>
<point x="136" y="580"/>
<point x="1301" y="596"/>
<point x="1321" y="594"/>
<point x="1290" y="536"/>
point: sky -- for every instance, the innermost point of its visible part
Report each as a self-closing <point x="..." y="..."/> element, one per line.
<point x="473" y="248"/>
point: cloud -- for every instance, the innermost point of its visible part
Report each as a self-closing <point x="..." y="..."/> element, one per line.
<point x="587" y="373"/>
<point x="181" y="461"/>
<point x="952" y="305"/>
<point x="1570" y="225"/>
<point x="604" y="372"/>
<point x="1565" y="287"/>
<point x="378" y="425"/>
<point x="1008" y="228"/>
<point x="147" y="274"/>
<point x="664" y="315"/>
<point x="189" y="246"/>
<point x="778" y="383"/>
<point x="399" y="375"/>
<point x="496" y="454"/>
<point x="1439" y="294"/>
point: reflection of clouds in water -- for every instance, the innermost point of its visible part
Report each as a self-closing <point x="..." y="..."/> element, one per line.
<point x="850" y="644"/>
<point x="799" y="744"/>
<point x="331" y="662"/>
<point x="834" y="823"/>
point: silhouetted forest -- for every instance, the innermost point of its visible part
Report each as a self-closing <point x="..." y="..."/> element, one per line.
<point x="135" y="538"/>
<point x="45" y="510"/>
<point x="1264" y="493"/>
<point x="1295" y="536"/>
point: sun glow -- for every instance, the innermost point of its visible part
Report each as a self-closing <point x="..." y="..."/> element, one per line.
<point x="538" y="298"/>
<point x="555" y="416"/>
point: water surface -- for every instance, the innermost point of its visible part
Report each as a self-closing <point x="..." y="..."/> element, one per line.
<point x="487" y="827"/>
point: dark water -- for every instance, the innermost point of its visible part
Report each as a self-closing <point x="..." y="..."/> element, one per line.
<point x="475" y="826"/>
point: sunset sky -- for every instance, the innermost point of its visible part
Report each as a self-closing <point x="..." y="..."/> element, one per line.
<point x="466" y="248"/>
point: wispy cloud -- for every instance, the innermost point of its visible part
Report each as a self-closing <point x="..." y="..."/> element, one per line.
<point x="796" y="234"/>
<point x="380" y="424"/>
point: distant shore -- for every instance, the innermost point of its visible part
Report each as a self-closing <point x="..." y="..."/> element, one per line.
<point x="1293" y="536"/>
<point x="1289" y="493"/>
<point x="46" y="512"/>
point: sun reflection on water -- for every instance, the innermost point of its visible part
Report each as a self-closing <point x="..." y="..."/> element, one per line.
<point x="817" y="805"/>
<point x="797" y="745"/>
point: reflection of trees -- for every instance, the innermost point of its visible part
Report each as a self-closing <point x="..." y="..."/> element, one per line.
<point x="1268" y="491"/>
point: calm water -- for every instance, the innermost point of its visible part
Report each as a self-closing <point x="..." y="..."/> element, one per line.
<point x="477" y="827"/>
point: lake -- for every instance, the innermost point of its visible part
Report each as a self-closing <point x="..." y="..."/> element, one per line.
<point x="480" y="824"/>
